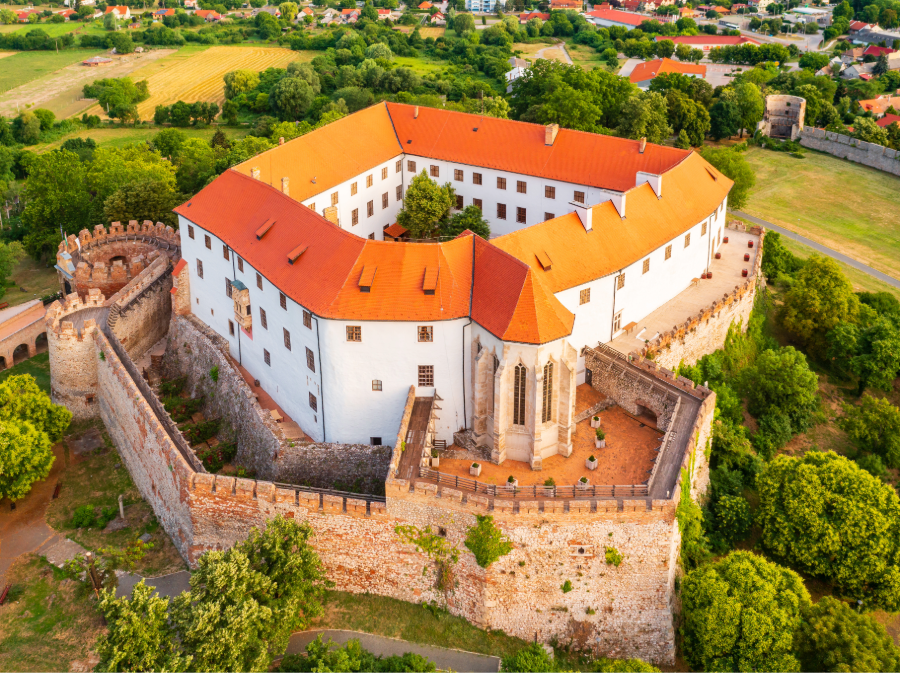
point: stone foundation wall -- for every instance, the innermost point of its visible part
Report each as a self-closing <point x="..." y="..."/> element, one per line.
<point x="358" y="468"/>
<point x="852" y="149"/>
<point x="142" y="309"/>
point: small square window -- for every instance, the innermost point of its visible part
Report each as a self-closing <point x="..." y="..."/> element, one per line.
<point x="620" y="281"/>
<point x="579" y="197"/>
<point x="549" y="216"/>
<point x="549" y="192"/>
<point x="435" y="171"/>
<point x="354" y="333"/>
<point x="501" y="211"/>
<point x="376" y="385"/>
<point x="375" y="441"/>
<point x="240" y="264"/>
<point x="646" y="265"/>
<point x="310" y="360"/>
<point x="262" y="318"/>
<point x="520" y="215"/>
<point x="426" y="333"/>
<point x="521" y="187"/>
<point x="334" y="198"/>
<point x="282" y="300"/>
<point x="459" y="202"/>
<point x="399" y="194"/>
<point x="267" y="357"/>
<point x="384" y="173"/>
<point x="259" y="281"/>
<point x="426" y="376"/>
<point x="457" y="175"/>
<point x="370" y="209"/>
<point x="411" y="166"/>
<point x="585" y="296"/>
<point x="476" y="178"/>
<point x="228" y="288"/>
<point x="353" y="189"/>
<point x="225" y="250"/>
<point x="399" y="166"/>
<point x="687" y="240"/>
<point x="307" y="320"/>
<point x="287" y="338"/>
<point x="668" y="251"/>
<point x="190" y="231"/>
<point x="354" y="217"/>
<point x="208" y="242"/>
<point x="313" y="402"/>
<point x="477" y="203"/>
<point x="199" y="269"/>
<point x="501" y="183"/>
<point x="230" y="328"/>
<point x="384" y="200"/>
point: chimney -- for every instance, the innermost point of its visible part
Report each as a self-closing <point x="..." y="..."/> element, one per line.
<point x="284" y="187"/>
<point x="584" y="213"/>
<point x="281" y="141"/>
<point x="652" y="178"/>
<point x="416" y="113"/>
<point x="643" y="145"/>
<point x="254" y="173"/>
<point x="550" y="132"/>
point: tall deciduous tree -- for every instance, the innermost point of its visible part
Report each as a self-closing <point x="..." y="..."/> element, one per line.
<point x="647" y="118"/>
<point x="734" y="166"/>
<point x="143" y="199"/>
<point x="874" y="426"/>
<point x="425" y="206"/>
<point x="780" y="382"/>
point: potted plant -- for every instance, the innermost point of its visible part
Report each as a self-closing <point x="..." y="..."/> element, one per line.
<point x="435" y="460"/>
<point x="591" y="463"/>
<point x="600" y="439"/>
<point x="475" y="470"/>
<point x="595" y="422"/>
<point x="512" y="482"/>
<point x="549" y="487"/>
<point x="583" y="483"/>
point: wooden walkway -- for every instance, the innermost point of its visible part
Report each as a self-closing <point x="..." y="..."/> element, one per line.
<point x="415" y="438"/>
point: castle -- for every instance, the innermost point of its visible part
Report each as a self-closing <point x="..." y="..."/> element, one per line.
<point x="341" y="358"/>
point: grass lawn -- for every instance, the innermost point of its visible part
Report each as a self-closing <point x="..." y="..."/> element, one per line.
<point x="420" y="64"/>
<point x="585" y="56"/>
<point x="57" y="29"/>
<point x="38" y="367"/>
<point x="49" y="623"/>
<point x="846" y="206"/>
<point x="33" y="280"/>
<point x="26" y="66"/>
<point x="120" y="136"/>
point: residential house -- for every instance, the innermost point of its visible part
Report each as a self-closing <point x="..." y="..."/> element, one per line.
<point x="645" y="72"/>
<point x="878" y="106"/>
<point x="160" y="13"/>
<point x="736" y="9"/>
<point x="877" y="36"/>
<point x="191" y="4"/>
<point x="760" y="5"/>
<point x="208" y="15"/>
<point x="857" y="70"/>
<point x="615" y="17"/>
<point x="887" y="120"/>
<point x="384" y="14"/>
<point x="438" y="19"/>
<point x="525" y="17"/>
<point x="856" y="26"/>
<point x="852" y="55"/>
<point x="426" y="5"/>
<point x="873" y="50"/>
<point x="687" y="13"/>
<point x="817" y="15"/>
<point x="577" y="5"/>
<point x="707" y="42"/>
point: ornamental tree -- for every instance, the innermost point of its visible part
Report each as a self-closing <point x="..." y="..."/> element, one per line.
<point x="425" y="206"/>
<point x="824" y="515"/>
<point x="470" y="218"/>
<point x="780" y="382"/>
<point x="21" y="399"/>
<point x="647" y="118"/>
<point x="740" y="614"/>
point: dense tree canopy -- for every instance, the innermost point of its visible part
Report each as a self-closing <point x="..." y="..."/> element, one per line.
<point x="734" y="166"/>
<point x="426" y="205"/>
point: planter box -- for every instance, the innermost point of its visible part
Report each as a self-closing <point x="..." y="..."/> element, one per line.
<point x="581" y="485"/>
<point x="549" y="492"/>
<point x="595" y="422"/>
<point x="591" y="464"/>
<point x="600" y="443"/>
<point x="512" y="484"/>
<point x="435" y="462"/>
<point x="475" y="471"/>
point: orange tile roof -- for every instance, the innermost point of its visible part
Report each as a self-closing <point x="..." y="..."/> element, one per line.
<point x="881" y="104"/>
<point x="690" y="192"/>
<point x="575" y="156"/>
<point x="650" y="69"/>
<point x="331" y="155"/>
<point x="395" y="230"/>
<point x="509" y="302"/>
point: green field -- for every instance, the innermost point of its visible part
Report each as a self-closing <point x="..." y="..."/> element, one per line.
<point x="57" y="29"/>
<point x="848" y="207"/>
<point x="29" y="65"/>
<point x="120" y="136"/>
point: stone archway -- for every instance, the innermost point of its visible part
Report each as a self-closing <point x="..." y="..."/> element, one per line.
<point x="20" y="354"/>
<point x="645" y="413"/>
<point x="3" y="364"/>
<point x="40" y="343"/>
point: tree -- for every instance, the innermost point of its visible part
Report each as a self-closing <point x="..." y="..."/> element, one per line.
<point x="834" y="637"/>
<point x="196" y="165"/>
<point x="327" y="656"/>
<point x="470" y="218"/>
<point x="813" y="60"/>
<point x="112" y="168"/>
<point x="7" y="17"/>
<point x="724" y="118"/>
<point x="240" y="81"/>
<point x="46" y="117"/>
<point x="168" y="142"/>
<point x="245" y="602"/>
<point x="291" y="97"/>
<point x="740" y="614"/>
<point x="533" y="658"/>
<point x="230" y="111"/>
<point x="665" y="48"/>
<point x="683" y="142"/>
<point x="820" y="299"/>
<point x="119" y="97"/>
<point x="873" y="352"/>
<point x="780" y="382"/>
<point x="735" y="167"/>
<point x="647" y="118"/>
<point x="686" y="115"/>
<point x="110" y="21"/>
<point x="824" y="515"/>
<point x="27" y="127"/>
<point x="749" y="102"/>
<point x="379" y="50"/>
<point x="683" y="51"/>
<point x="288" y="11"/>
<point x="139" y="637"/>
<point x="144" y="199"/>
<point x="425" y="206"/>
<point x="10" y="254"/>
<point x="874" y="426"/>
<point x="464" y="24"/>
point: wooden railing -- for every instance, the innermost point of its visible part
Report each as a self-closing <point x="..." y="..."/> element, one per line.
<point x="533" y="491"/>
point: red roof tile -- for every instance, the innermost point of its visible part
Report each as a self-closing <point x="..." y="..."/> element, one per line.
<point x="887" y="120"/>
<point x="618" y="17"/>
<point x="719" y="40"/>
<point x="650" y="69"/>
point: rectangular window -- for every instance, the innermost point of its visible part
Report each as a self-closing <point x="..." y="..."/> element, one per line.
<point x="668" y="251"/>
<point x="190" y="231"/>
<point x="375" y="441"/>
<point x="457" y="175"/>
<point x="585" y="296"/>
<point x="617" y="322"/>
<point x="547" y="394"/>
<point x="334" y="198"/>
<point x="370" y="209"/>
<point x="411" y="166"/>
<point x="313" y="402"/>
<point x="225" y="250"/>
<point x="384" y="200"/>
<point x="259" y="281"/>
<point x="353" y="189"/>
<point x="267" y="357"/>
<point x="384" y="173"/>
<point x="549" y="216"/>
<point x="199" y="269"/>
<point x="501" y="211"/>
<point x="282" y="300"/>
<point x="310" y="360"/>
<point x="435" y="171"/>
<point x="399" y="166"/>
<point x="307" y="320"/>
<point x="228" y="288"/>
<point x="501" y="183"/>
<point x="579" y="197"/>
<point x="476" y="178"/>
<point x="312" y="206"/>
<point x="477" y="203"/>
<point x="262" y="318"/>
<point x="354" y="333"/>
<point x="703" y="229"/>
<point x="240" y="264"/>
<point x="687" y="240"/>
<point x="646" y="265"/>
<point x="354" y="217"/>
<point x="620" y="281"/>
<point x="521" y="187"/>
<point x="376" y="385"/>
<point x="231" y="328"/>
<point x="369" y="180"/>
<point x="520" y="215"/>
<point x="287" y="338"/>
<point x="459" y="202"/>
<point x="549" y="192"/>
<point x="208" y="243"/>
<point x="426" y="376"/>
<point x="426" y="333"/>
<point x="519" y="395"/>
<point x="399" y="194"/>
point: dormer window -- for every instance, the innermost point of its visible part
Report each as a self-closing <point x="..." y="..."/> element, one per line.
<point x="366" y="278"/>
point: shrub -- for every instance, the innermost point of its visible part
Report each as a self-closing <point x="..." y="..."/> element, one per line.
<point x="613" y="557"/>
<point x="566" y="587"/>
<point x="549" y="482"/>
<point x="530" y="659"/>
<point x="600" y="434"/>
<point x="486" y="541"/>
<point x="173" y="387"/>
<point x="214" y="374"/>
<point x="84" y="517"/>
<point x="196" y="433"/>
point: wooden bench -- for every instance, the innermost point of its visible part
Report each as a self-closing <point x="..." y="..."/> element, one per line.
<point x="630" y="327"/>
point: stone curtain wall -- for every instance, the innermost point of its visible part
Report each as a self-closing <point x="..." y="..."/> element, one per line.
<point x="358" y="468"/>
<point x="141" y="311"/>
<point x="705" y="332"/>
<point x="852" y="149"/>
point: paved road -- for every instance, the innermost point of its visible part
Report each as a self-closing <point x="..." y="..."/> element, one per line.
<point x="444" y="659"/>
<point x="167" y="586"/>
<point x="821" y="248"/>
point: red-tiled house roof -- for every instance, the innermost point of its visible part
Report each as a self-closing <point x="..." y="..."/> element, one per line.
<point x="874" y="50"/>
<point x="887" y="120"/>
<point x="650" y="69"/>
<point x="618" y="17"/>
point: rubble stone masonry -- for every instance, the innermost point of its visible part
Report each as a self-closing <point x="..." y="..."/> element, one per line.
<point x="853" y="149"/>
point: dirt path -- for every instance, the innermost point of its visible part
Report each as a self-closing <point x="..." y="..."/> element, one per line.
<point x="555" y="53"/>
<point x="60" y="91"/>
